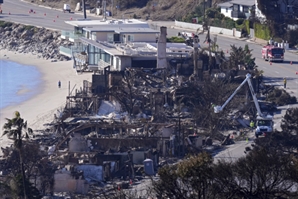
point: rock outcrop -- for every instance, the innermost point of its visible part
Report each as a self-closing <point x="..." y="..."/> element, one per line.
<point x="41" y="42"/>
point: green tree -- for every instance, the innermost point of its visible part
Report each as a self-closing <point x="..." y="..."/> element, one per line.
<point x="290" y="122"/>
<point x="240" y="57"/>
<point x="16" y="129"/>
<point x="261" y="174"/>
<point x="189" y="179"/>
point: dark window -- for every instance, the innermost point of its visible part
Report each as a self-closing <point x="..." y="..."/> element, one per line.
<point x="277" y="51"/>
<point x="235" y="7"/>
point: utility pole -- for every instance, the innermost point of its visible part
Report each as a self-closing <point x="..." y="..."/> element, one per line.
<point x="104" y="5"/>
<point x="84" y="9"/>
<point x="204" y="13"/>
<point x="112" y="8"/>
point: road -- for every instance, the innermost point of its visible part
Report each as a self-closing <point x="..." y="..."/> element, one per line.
<point x="18" y="11"/>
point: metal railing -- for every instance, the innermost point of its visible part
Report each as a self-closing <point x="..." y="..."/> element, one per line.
<point x="71" y="35"/>
<point x="65" y="51"/>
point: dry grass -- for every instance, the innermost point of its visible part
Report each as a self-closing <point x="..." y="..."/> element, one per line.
<point x="163" y="10"/>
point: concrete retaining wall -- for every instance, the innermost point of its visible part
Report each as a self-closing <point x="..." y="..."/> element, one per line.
<point x="215" y="30"/>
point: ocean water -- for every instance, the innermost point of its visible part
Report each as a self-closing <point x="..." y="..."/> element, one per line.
<point x="17" y="83"/>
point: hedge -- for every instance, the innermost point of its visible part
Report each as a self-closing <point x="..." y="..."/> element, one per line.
<point x="246" y="25"/>
<point x="262" y="31"/>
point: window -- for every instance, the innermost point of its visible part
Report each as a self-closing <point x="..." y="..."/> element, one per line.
<point x="110" y="37"/>
<point x="236" y="7"/>
<point x="227" y="10"/>
<point x="93" y="36"/>
<point x="245" y="9"/>
<point x="129" y="37"/>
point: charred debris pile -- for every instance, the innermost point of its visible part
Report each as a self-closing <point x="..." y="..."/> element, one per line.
<point x="124" y="125"/>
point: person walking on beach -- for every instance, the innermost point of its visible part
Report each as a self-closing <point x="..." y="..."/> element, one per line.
<point x="59" y="84"/>
<point x="285" y="83"/>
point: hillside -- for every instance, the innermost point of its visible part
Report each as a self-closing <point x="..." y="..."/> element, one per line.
<point x="144" y="9"/>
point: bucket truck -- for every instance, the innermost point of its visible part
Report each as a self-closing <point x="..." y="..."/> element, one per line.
<point x="264" y="123"/>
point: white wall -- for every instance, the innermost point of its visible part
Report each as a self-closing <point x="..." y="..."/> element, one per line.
<point x="125" y="62"/>
<point x="224" y="11"/>
<point x="114" y="67"/>
<point x="102" y="36"/>
<point x="215" y="30"/>
<point x="150" y="37"/>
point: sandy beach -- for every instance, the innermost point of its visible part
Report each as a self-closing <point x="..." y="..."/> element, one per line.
<point x="40" y="109"/>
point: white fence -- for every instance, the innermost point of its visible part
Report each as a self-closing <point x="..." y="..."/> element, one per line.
<point x="214" y="30"/>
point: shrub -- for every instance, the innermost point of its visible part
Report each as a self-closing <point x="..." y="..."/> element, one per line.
<point x="262" y="31"/>
<point x="229" y="23"/>
<point x="4" y="24"/>
<point x="28" y="27"/>
<point x="239" y="21"/>
<point x="211" y="12"/>
<point x="216" y="22"/>
<point x="176" y="40"/>
<point x="247" y="26"/>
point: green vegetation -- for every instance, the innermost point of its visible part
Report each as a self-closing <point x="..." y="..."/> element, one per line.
<point x="175" y="40"/>
<point x="262" y="31"/>
<point x="240" y="57"/>
<point x="214" y="18"/>
<point x="4" y="24"/>
<point x="271" y="157"/>
<point x="16" y="129"/>
<point x="29" y="27"/>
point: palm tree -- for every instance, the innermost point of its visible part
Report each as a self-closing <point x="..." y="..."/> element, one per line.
<point x="16" y="129"/>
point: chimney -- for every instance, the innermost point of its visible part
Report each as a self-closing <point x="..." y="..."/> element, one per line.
<point x="161" y="48"/>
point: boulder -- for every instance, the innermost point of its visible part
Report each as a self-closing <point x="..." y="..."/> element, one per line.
<point x="13" y="43"/>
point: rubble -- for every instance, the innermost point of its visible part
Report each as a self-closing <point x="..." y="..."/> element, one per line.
<point x="121" y="127"/>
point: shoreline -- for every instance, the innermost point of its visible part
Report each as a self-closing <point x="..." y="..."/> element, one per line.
<point x="40" y="108"/>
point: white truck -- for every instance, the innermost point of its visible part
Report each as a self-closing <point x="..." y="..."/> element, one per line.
<point x="264" y="123"/>
<point x="66" y="7"/>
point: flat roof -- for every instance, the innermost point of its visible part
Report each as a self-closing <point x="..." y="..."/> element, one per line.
<point x="136" y="30"/>
<point x="174" y="46"/>
<point x="140" y="49"/>
<point x="238" y="2"/>
<point x="90" y="23"/>
<point x="109" y="48"/>
<point x="226" y="4"/>
<point x="121" y="29"/>
<point x="244" y="2"/>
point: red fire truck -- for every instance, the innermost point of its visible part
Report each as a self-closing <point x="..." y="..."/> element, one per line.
<point x="273" y="53"/>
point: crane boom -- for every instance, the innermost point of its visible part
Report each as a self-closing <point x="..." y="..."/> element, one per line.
<point x="264" y="122"/>
<point x="218" y="109"/>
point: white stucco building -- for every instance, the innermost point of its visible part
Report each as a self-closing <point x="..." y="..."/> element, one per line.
<point x="236" y="9"/>
<point x="119" y="44"/>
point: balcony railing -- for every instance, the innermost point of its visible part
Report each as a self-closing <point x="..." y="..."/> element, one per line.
<point x="65" y="51"/>
<point x="73" y="49"/>
<point x="238" y="14"/>
<point x="71" y="35"/>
